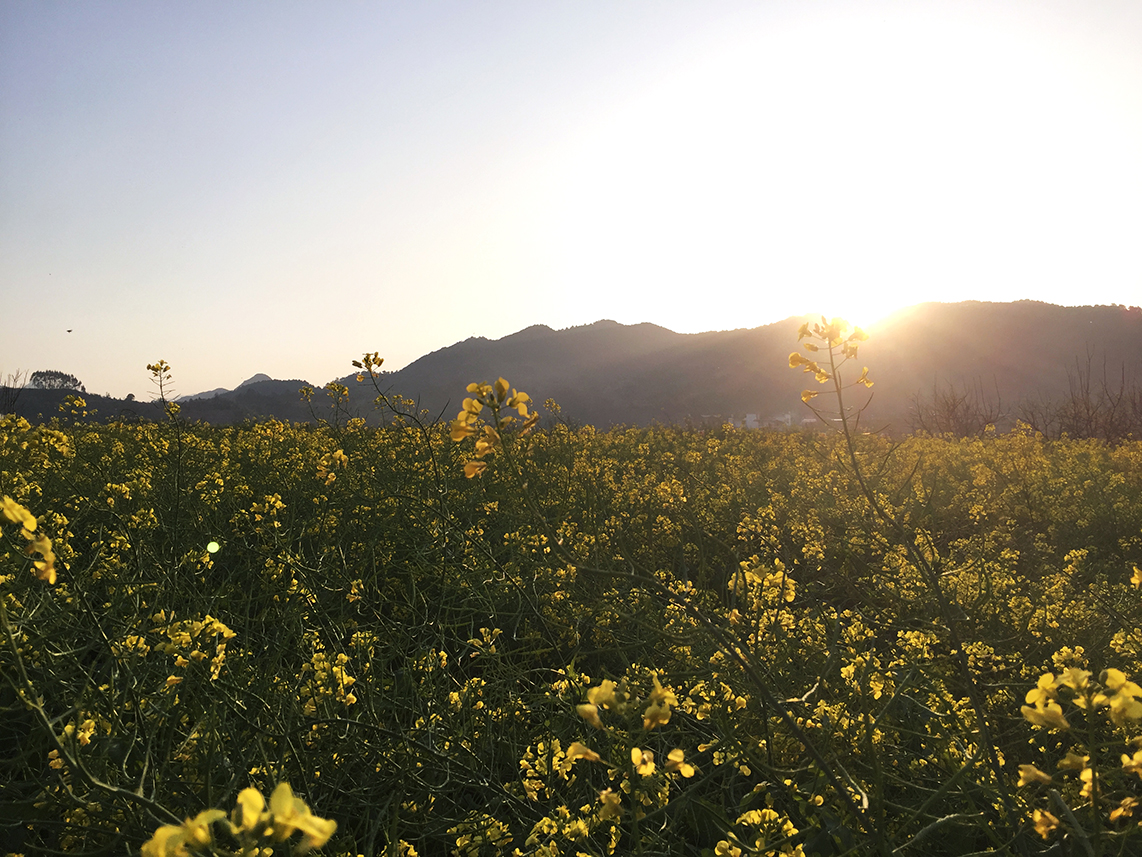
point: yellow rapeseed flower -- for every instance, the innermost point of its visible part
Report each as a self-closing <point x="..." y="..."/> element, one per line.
<point x="167" y="841"/>
<point x="178" y="840"/>
<point x="1074" y="678"/>
<point x="1116" y="680"/>
<point x="603" y="695"/>
<point x="1132" y="764"/>
<point x="611" y="805"/>
<point x="1123" y="698"/>
<point x="17" y="514"/>
<point x="1030" y="774"/>
<point x="45" y="566"/>
<point x="643" y="761"/>
<point x="590" y="713"/>
<point x="1125" y="808"/>
<point x="1049" y="716"/>
<point x="1087" y="776"/>
<point x="291" y="813"/>
<point x="661" y="695"/>
<point x="501" y="389"/>
<point x="461" y="429"/>
<point x="1044" y="822"/>
<point x="249" y="811"/>
<point x="675" y="761"/>
<point x="579" y="750"/>
<point x="658" y="712"/>
<point x="86" y="730"/>
<point x="1043" y="691"/>
<point x="1124" y="707"/>
<point x="1073" y="761"/>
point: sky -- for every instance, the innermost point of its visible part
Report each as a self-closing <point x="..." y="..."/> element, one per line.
<point x="278" y="187"/>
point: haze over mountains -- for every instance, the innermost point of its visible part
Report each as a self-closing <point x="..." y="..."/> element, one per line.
<point x="607" y="373"/>
<point x="210" y="394"/>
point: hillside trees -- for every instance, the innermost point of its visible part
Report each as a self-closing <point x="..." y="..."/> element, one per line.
<point x="52" y="379"/>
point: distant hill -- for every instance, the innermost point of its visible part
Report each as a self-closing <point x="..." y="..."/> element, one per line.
<point x="608" y="373"/>
<point x="257" y="398"/>
<point x="39" y="406"/>
<point x="252" y="400"/>
<point x="217" y="391"/>
<point x="1016" y="353"/>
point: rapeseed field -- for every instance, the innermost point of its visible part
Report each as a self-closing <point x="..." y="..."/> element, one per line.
<point x="508" y="635"/>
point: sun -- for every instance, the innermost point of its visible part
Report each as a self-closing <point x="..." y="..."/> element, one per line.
<point x="798" y="169"/>
<point x="866" y="311"/>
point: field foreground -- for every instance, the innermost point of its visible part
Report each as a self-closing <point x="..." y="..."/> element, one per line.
<point x="652" y="641"/>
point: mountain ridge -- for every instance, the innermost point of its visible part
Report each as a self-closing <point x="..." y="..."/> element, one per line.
<point x="606" y="373"/>
<point x="217" y="391"/>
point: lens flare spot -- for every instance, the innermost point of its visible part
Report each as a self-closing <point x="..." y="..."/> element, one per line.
<point x="213" y="547"/>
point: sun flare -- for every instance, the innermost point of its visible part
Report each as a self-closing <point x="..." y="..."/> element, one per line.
<point x="846" y="164"/>
<point x="865" y="312"/>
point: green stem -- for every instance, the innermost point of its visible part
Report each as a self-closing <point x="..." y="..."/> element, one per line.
<point x="932" y="580"/>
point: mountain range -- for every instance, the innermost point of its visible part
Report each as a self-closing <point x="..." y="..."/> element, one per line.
<point x="210" y="394"/>
<point x="608" y="373"/>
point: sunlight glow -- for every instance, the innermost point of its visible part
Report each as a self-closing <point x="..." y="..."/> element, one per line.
<point x="417" y="178"/>
<point x="854" y="166"/>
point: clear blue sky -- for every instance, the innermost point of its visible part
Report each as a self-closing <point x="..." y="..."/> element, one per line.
<point x="241" y="187"/>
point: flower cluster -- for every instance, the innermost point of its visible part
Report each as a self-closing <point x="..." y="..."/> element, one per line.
<point x="326" y="680"/>
<point x="188" y="640"/>
<point x="1113" y="691"/>
<point x="329" y="463"/>
<point x="634" y="770"/>
<point x="495" y="398"/>
<point x="369" y="364"/>
<point x="1121" y="699"/>
<point x="833" y="335"/>
<point x="770" y="832"/>
<point x="252" y="823"/>
<point x="38" y="543"/>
